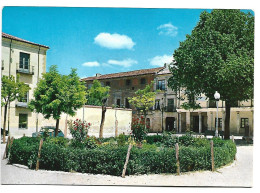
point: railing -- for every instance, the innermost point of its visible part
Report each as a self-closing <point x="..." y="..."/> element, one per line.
<point x="30" y="69"/>
<point x="170" y="109"/>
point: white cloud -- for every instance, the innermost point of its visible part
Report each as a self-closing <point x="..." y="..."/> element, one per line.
<point x="91" y="64"/>
<point x="114" y="41"/>
<point x="160" y="60"/>
<point x="125" y="63"/>
<point x="168" y="29"/>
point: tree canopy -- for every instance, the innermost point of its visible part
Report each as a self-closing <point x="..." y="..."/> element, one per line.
<point x="11" y="89"/>
<point x="97" y="93"/>
<point x="56" y="94"/>
<point x="218" y="55"/>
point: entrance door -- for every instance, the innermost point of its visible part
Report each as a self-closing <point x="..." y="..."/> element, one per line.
<point x="196" y="124"/>
<point x="170" y="123"/>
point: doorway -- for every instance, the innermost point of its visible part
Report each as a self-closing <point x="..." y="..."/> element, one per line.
<point x="170" y="123"/>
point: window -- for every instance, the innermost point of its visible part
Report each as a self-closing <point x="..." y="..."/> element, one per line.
<point x="127" y="105"/>
<point x="157" y="105"/>
<point x="3" y="65"/>
<point x="107" y="83"/>
<point x="143" y="81"/>
<point x="170" y="105"/>
<point x="219" y="122"/>
<point x="24" y="61"/>
<point x="89" y="86"/>
<point x="118" y="104"/>
<point x="212" y="104"/>
<point x="128" y="82"/>
<point x="161" y="85"/>
<point x="244" y="122"/>
<point x="24" y="98"/>
<point x="23" y="121"/>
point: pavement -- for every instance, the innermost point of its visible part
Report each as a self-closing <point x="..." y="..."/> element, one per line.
<point x="237" y="174"/>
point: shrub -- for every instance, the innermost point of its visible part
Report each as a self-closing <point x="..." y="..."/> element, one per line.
<point x="79" y="129"/>
<point x="108" y="159"/>
<point x="138" y="129"/>
<point x="169" y="140"/>
<point x="154" y="139"/>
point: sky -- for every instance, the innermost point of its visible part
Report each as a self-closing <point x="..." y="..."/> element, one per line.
<point x="102" y="40"/>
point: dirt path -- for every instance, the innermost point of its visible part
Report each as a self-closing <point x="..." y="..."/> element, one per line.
<point x="238" y="174"/>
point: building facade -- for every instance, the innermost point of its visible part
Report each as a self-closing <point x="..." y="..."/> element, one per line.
<point x="27" y="59"/>
<point x="168" y="114"/>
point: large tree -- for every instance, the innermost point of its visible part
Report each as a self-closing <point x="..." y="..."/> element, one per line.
<point x="218" y="55"/>
<point x="11" y="89"/>
<point x="97" y="95"/>
<point x="56" y="94"/>
<point x="143" y="100"/>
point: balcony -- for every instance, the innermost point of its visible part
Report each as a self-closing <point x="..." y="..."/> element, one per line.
<point x="29" y="70"/>
<point x="21" y="104"/>
<point x="170" y="109"/>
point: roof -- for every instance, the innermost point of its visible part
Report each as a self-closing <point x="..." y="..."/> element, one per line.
<point x="5" y="35"/>
<point x="125" y="74"/>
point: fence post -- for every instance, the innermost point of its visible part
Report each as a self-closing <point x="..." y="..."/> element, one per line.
<point x="177" y="158"/>
<point x="11" y="143"/>
<point x="6" y="147"/>
<point x="126" y="161"/>
<point x="233" y="139"/>
<point x="39" y="155"/>
<point x="212" y="155"/>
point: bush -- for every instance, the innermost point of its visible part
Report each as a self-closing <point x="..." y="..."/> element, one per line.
<point x="154" y="139"/>
<point x="110" y="160"/>
<point x="138" y="129"/>
<point x="79" y="129"/>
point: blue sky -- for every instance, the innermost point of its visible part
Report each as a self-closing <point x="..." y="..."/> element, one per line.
<point x="102" y="40"/>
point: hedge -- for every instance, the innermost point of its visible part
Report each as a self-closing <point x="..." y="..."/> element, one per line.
<point x="110" y="159"/>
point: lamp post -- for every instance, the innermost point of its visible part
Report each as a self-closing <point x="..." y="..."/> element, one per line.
<point x="162" y="108"/>
<point x="217" y="97"/>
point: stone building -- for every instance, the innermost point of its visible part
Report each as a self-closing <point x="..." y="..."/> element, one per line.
<point x="27" y="59"/>
<point x="167" y="113"/>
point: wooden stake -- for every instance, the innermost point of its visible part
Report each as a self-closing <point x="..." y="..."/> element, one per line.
<point x="39" y="155"/>
<point x="212" y="156"/>
<point x="6" y="147"/>
<point x="126" y="161"/>
<point x="177" y="158"/>
<point x="11" y="143"/>
<point x="233" y="139"/>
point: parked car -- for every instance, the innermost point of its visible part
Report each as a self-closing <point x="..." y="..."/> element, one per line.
<point x="50" y="130"/>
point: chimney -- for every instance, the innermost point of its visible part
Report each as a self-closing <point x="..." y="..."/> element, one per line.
<point x="98" y="74"/>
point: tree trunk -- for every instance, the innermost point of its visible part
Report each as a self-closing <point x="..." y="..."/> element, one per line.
<point x="8" y="117"/>
<point x="227" y="121"/>
<point x="57" y="127"/>
<point x="5" y="112"/>
<point x="102" y="121"/>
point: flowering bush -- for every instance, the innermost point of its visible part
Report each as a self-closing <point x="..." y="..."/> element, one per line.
<point x="139" y="131"/>
<point x="79" y="129"/>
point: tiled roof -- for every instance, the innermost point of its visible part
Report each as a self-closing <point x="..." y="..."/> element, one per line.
<point x="125" y="74"/>
<point x="5" y="35"/>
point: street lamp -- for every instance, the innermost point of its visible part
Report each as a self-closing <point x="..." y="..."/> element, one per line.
<point x="217" y="97"/>
<point x="162" y="108"/>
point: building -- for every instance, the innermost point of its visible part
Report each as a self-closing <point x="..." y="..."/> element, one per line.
<point x="27" y="59"/>
<point x="168" y="113"/>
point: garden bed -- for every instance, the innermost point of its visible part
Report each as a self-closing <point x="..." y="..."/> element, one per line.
<point x="107" y="156"/>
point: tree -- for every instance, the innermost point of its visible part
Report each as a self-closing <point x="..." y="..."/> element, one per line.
<point x="217" y="56"/>
<point x="143" y="100"/>
<point x="11" y="90"/>
<point x="97" y="95"/>
<point x="56" y="94"/>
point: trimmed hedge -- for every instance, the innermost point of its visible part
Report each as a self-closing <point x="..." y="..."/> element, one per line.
<point x="110" y="159"/>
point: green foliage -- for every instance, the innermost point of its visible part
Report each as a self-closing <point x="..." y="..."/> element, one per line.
<point x="11" y="89"/>
<point x="153" y="139"/>
<point x="56" y="94"/>
<point x="144" y="99"/>
<point x="97" y="93"/>
<point x="110" y="159"/>
<point x="139" y="130"/>
<point x="121" y="139"/>
<point x="188" y="106"/>
<point x="218" y="55"/>
<point x="169" y="140"/>
<point x="79" y="129"/>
